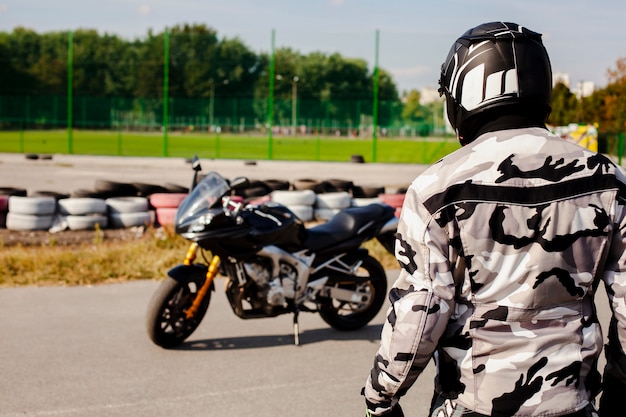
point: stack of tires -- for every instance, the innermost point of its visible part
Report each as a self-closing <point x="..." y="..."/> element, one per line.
<point x="30" y="213"/>
<point x="83" y="213"/>
<point x="125" y="212"/>
<point x="165" y="206"/>
<point x="259" y="191"/>
<point x="363" y="196"/>
<point x="329" y="204"/>
<point x="300" y="202"/>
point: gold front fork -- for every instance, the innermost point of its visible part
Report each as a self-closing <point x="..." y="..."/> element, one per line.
<point x="210" y="275"/>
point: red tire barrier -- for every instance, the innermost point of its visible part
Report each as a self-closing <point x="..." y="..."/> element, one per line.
<point x="165" y="216"/>
<point x="167" y="200"/>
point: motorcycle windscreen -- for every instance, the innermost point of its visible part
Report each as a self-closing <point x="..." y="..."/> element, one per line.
<point x="207" y="193"/>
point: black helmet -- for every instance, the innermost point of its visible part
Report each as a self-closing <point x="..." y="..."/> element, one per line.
<point x="496" y="66"/>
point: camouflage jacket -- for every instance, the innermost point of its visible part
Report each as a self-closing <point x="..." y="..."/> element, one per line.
<point x="501" y="246"/>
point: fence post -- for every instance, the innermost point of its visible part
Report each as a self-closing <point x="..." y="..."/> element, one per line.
<point x="166" y="68"/>
<point x="270" y="123"/>
<point x="22" y="126"/>
<point x="375" y="104"/>
<point x="70" y="76"/>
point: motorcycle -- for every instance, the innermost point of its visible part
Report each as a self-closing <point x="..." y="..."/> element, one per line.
<point x="273" y="262"/>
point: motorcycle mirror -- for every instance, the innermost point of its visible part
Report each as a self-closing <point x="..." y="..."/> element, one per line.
<point x="239" y="183"/>
<point x="195" y="163"/>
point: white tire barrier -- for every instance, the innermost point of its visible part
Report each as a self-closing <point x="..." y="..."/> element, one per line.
<point x="360" y="202"/>
<point x="126" y="204"/>
<point x="32" y="205"/>
<point x="124" y="220"/>
<point x="303" y="212"/>
<point x="87" y="221"/>
<point x="19" y="221"/>
<point x="294" y="198"/>
<point x="77" y="206"/>
<point x="325" y="214"/>
<point x="335" y="200"/>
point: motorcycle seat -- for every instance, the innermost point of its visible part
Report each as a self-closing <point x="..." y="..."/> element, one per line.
<point x="345" y="225"/>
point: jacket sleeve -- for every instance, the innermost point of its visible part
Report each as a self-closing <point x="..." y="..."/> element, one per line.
<point x="422" y="299"/>
<point x="614" y="380"/>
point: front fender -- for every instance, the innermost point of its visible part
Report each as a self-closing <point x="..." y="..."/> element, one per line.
<point x="190" y="273"/>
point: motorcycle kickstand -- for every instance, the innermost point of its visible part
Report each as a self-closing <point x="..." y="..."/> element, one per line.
<point x="296" y="327"/>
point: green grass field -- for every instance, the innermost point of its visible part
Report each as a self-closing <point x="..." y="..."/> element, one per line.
<point x="226" y="146"/>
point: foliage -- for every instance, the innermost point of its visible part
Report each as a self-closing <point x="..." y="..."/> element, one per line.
<point x="606" y="106"/>
<point x="330" y="88"/>
<point x="413" y="110"/>
<point x="564" y="106"/>
<point x="201" y="65"/>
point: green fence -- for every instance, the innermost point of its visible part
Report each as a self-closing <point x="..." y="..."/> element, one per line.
<point x="234" y="115"/>
<point x="82" y="92"/>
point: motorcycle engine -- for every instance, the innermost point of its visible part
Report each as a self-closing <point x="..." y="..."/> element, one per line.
<point x="258" y="272"/>
<point x="288" y="276"/>
<point x="273" y="289"/>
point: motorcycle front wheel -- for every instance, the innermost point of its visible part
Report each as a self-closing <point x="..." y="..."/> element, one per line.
<point x="370" y="280"/>
<point x="166" y="321"/>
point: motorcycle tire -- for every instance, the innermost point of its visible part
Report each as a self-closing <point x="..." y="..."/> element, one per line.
<point x="370" y="278"/>
<point x="166" y="322"/>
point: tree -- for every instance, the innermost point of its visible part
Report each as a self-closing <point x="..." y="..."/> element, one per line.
<point x="616" y="96"/>
<point x="564" y="106"/>
<point x="15" y="77"/>
<point x="413" y="111"/>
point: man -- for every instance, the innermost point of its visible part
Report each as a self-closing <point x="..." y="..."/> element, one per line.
<point x="501" y="246"/>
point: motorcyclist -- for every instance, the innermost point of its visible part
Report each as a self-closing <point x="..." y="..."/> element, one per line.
<point x="501" y="246"/>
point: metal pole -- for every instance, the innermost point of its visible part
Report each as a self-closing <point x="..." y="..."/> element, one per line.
<point x="270" y="123"/>
<point x="166" y="72"/>
<point x="211" y="105"/>
<point x="375" y="104"/>
<point x="70" y="76"/>
<point x="294" y="102"/>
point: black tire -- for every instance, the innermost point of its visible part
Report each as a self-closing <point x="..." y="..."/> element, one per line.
<point x="339" y="185"/>
<point x="166" y="322"/>
<point x="371" y="279"/>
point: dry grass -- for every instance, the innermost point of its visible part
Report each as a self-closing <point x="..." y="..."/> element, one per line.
<point x="91" y="263"/>
<point x="101" y="261"/>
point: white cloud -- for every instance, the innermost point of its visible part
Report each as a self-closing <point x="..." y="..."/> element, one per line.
<point x="337" y="3"/>
<point x="144" y="10"/>
<point x="4" y="8"/>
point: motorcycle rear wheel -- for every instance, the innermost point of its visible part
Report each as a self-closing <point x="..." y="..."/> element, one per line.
<point x="166" y="321"/>
<point x="370" y="279"/>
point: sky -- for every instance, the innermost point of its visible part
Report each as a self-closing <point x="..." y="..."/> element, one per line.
<point x="584" y="38"/>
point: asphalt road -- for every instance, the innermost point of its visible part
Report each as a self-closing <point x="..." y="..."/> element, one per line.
<point x="67" y="173"/>
<point x="83" y="351"/>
